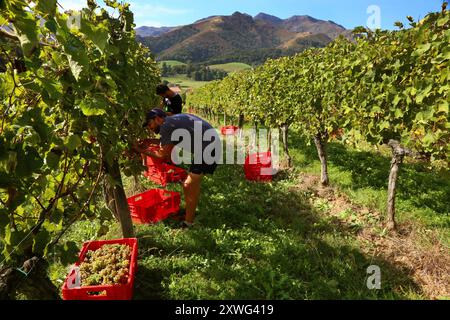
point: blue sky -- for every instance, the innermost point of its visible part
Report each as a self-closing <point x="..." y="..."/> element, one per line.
<point x="345" y="12"/>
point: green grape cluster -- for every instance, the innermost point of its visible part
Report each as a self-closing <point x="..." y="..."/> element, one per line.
<point x="107" y="265"/>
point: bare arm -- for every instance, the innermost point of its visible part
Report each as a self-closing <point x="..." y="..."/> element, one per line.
<point x="164" y="153"/>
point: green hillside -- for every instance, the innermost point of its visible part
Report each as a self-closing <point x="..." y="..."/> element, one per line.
<point x="184" y="82"/>
<point x="231" y="67"/>
<point x="172" y="63"/>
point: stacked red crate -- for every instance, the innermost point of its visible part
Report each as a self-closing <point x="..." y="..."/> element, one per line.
<point x="153" y="205"/>
<point x="161" y="172"/>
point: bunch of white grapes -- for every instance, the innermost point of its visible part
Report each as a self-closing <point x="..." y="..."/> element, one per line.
<point x="107" y="265"/>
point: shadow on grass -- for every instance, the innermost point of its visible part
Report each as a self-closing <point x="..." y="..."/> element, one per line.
<point x="259" y="241"/>
<point x="417" y="184"/>
<point x="148" y="284"/>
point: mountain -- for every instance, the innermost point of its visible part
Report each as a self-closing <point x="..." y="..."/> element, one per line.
<point x="268" y="18"/>
<point x="314" y="26"/>
<point x="242" y="38"/>
<point x="152" y="31"/>
<point x="205" y="19"/>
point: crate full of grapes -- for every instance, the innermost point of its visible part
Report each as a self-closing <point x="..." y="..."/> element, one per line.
<point x="105" y="271"/>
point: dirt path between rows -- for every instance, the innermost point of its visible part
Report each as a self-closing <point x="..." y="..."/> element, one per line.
<point x="414" y="248"/>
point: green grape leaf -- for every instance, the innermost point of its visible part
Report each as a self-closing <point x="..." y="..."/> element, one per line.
<point x="398" y="113"/>
<point x="89" y="108"/>
<point x="53" y="89"/>
<point x="47" y="6"/>
<point x="73" y="142"/>
<point x="14" y="238"/>
<point x="396" y="101"/>
<point x="75" y="67"/>
<point x="423" y="48"/>
<point x="56" y="217"/>
<point x="3" y="21"/>
<point x="443" y="107"/>
<point x="97" y="34"/>
<point x="6" y="252"/>
<point x="25" y="26"/>
<point x="4" y="220"/>
<point x="28" y="161"/>
<point x="51" y="25"/>
<point x="40" y="242"/>
<point x="68" y="252"/>
<point x="7" y="180"/>
<point x="429" y="139"/>
<point x="384" y="125"/>
<point x="443" y="21"/>
<point x="52" y="160"/>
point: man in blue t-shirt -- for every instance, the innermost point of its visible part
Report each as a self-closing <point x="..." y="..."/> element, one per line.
<point x="194" y="136"/>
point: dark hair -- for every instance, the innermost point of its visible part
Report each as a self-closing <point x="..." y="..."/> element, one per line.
<point x="162" y="88"/>
<point x="152" y="115"/>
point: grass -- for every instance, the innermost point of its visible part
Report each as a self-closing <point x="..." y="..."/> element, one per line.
<point x="422" y="196"/>
<point x="184" y="82"/>
<point x="171" y="63"/>
<point x="257" y="241"/>
<point x="278" y="241"/>
<point x="231" y="67"/>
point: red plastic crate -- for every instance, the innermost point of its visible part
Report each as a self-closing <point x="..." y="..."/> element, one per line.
<point x="229" y="130"/>
<point x="107" y="292"/>
<point x="258" y="167"/>
<point x="148" y="144"/>
<point x="161" y="172"/>
<point x="153" y="205"/>
<point x="150" y="161"/>
<point x="164" y="173"/>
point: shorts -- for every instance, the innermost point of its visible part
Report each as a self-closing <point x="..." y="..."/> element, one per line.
<point x="203" y="168"/>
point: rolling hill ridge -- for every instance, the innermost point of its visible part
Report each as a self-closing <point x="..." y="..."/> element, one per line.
<point x="240" y="37"/>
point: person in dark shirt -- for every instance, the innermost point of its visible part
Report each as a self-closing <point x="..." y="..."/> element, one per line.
<point x="194" y="136"/>
<point x="172" y="101"/>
